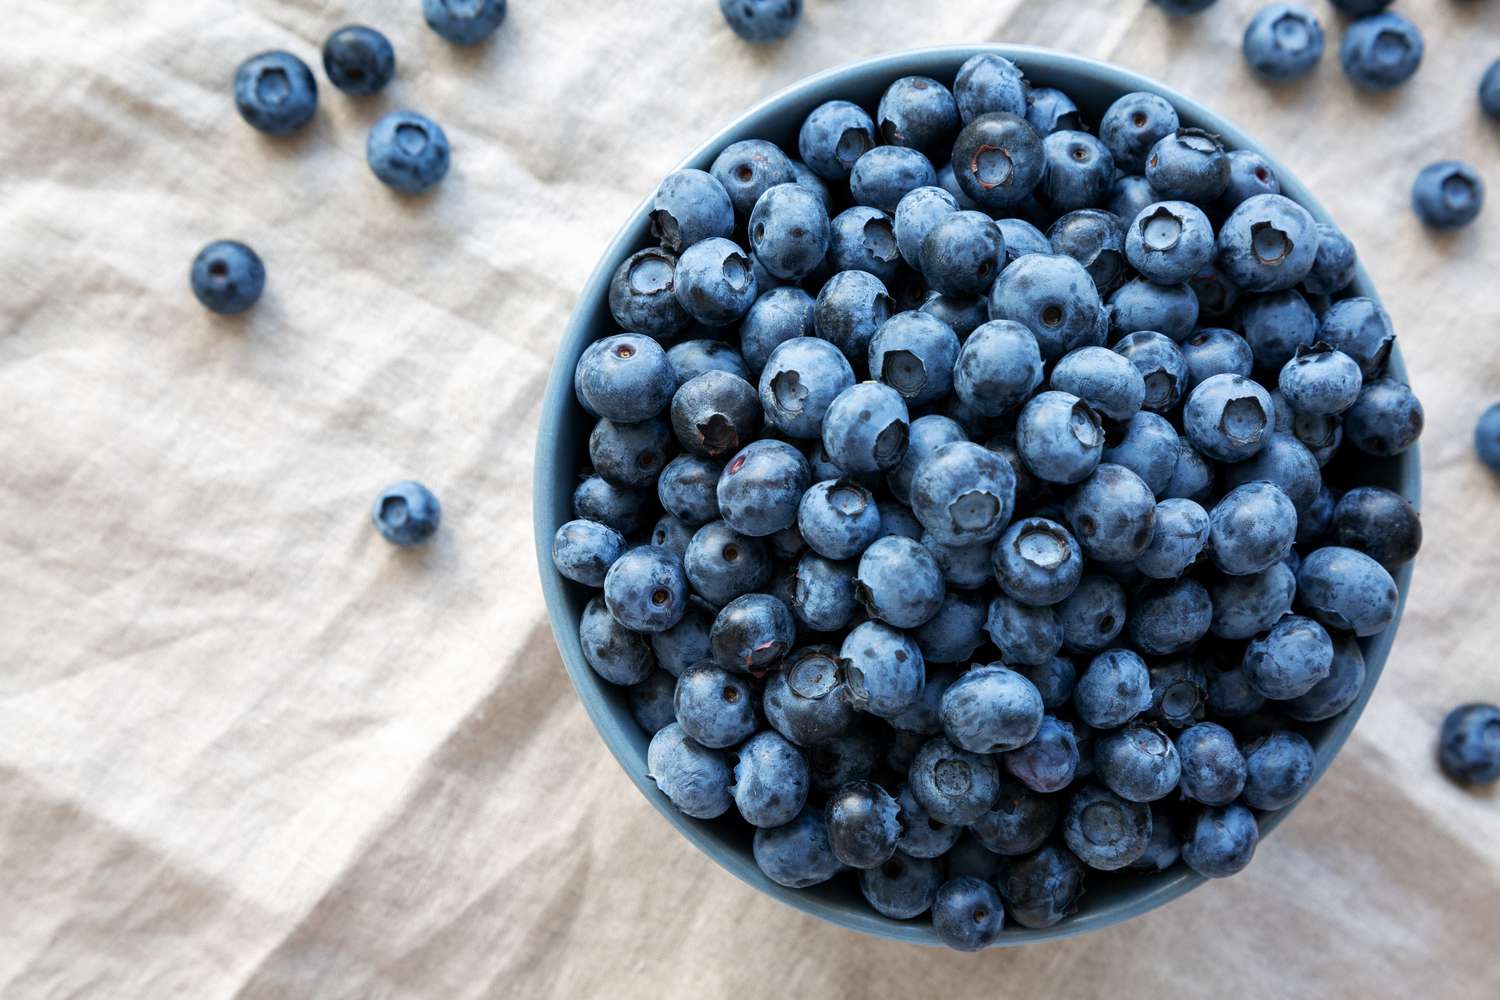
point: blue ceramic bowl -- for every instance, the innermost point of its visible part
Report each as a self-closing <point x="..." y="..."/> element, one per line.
<point x="562" y="450"/>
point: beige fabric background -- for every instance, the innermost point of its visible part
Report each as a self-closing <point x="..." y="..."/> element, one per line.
<point x="249" y="750"/>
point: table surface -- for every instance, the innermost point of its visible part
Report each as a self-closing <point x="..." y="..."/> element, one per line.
<point x="249" y="750"/>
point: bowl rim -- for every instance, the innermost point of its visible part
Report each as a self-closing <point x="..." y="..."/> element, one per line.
<point x="559" y="396"/>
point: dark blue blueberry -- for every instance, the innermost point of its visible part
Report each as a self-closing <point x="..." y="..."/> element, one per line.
<point x="1290" y="659"/>
<point x="1022" y="238"/>
<point x="1093" y="614"/>
<point x="998" y="367"/>
<point x="1077" y="172"/>
<point x="1276" y="326"/>
<point x="997" y="160"/>
<point x="1106" y="381"/>
<point x="1193" y="478"/>
<point x="1050" y="110"/>
<point x="227" y="277"/>
<point x="1228" y="417"/>
<point x="641" y="294"/>
<point x="1487" y="437"/>
<point x="800" y="381"/>
<point x="1053" y="297"/>
<point x="923" y="716"/>
<point x="927" y="434"/>
<point x="1335" y="265"/>
<point x="1320" y="435"/>
<point x="714" y="707"/>
<point x="1105" y="831"/>
<point x="1138" y="763"/>
<point x="963" y="494"/>
<point x="694" y="777"/>
<point x="954" y="786"/>
<point x="1059" y="437"/>
<point x="1165" y="847"/>
<point x="1283" y="42"/>
<point x="1447" y="195"/>
<point x="1188" y="165"/>
<point x="882" y="176"/>
<point x="761" y="487"/>
<point x="952" y="635"/>
<point x="723" y="564"/>
<point x="626" y="378"/>
<point x="918" y="211"/>
<point x="1169" y="616"/>
<point x="275" y="92"/>
<point x="1213" y="351"/>
<point x="1361" y="329"/>
<point x="406" y="513"/>
<point x="1381" y="51"/>
<point x="1218" y="297"/>
<point x="850" y="307"/>
<point x="761" y="20"/>
<point x="614" y="652"/>
<point x="851" y="757"/>
<point x="1213" y="769"/>
<point x="965" y="567"/>
<point x="882" y="667"/>
<point x="688" y="489"/>
<point x="1114" y="688"/>
<point x="1020" y="820"/>
<point x="686" y="643"/>
<point x="967" y="914"/>
<point x="897" y="519"/>
<point x="864" y="824"/>
<point x="1386" y="420"/>
<point x="865" y="428"/>
<point x="964" y="316"/>
<point x="646" y="589"/>
<point x="771" y="779"/>
<point x="1247" y="605"/>
<point x="597" y="500"/>
<point x="863" y="238"/>
<point x="1042" y="888"/>
<point x="899" y="582"/>
<point x="804" y="700"/>
<point x="1315" y="525"/>
<point x="833" y="137"/>
<point x="748" y="168"/>
<point x="1380" y="523"/>
<point x="752" y="633"/>
<point x="1025" y="635"/>
<point x="1037" y="562"/>
<point x="919" y="113"/>
<point x="1361" y="8"/>
<point x="988" y="83"/>
<point x="992" y="709"/>
<point x="838" y="519"/>
<point x="408" y="152"/>
<point x="1347" y="590"/>
<point x="1129" y="194"/>
<point x="358" y="60"/>
<point x="1111" y="514"/>
<point x="1184" y="8"/>
<point x="1148" y="447"/>
<point x="779" y="315"/>
<point x="789" y="231"/>
<point x="690" y="206"/>
<point x="1096" y="239"/>
<point x="914" y="353"/>
<point x="902" y="887"/>
<point x="464" y="22"/>
<point x="584" y="551"/>
<point x="1469" y="747"/>
<point x="1053" y="680"/>
<point x="1227" y="690"/>
<point x="714" y="414"/>
<point x="673" y="533"/>
<point x="1489" y="91"/>
<point x="1132" y="125"/>
<point x="714" y="282"/>
<point x="1139" y="305"/>
<point x="961" y="254"/>
<point x="1251" y="528"/>
<point x="651" y="702"/>
<point x="1162" y="367"/>
<point x="1179" y="692"/>
<point x="1269" y="243"/>
<point x="1221" y="841"/>
<point x="798" y="854"/>
<point x="1049" y="762"/>
<point x="1179" y="535"/>
<point x="1279" y="768"/>
<point x="1169" y="242"/>
<point x="630" y="455"/>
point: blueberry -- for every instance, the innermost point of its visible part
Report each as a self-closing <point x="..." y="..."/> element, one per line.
<point x="672" y="532"/>
<point x="1162" y="367"/>
<point x="1346" y="589"/>
<point x="626" y="378"/>
<point x="998" y="367"/>
<point x="1129" y="194"/>
<point x="918" y="112"/>
<point x="989" y="83"/>
<point x="864" y="824"/>
<point x="865" y="428"/>
<point x="771" y="779"/>
<point x="1228" y="417"/>
<point x="1289" y="660"/>
<point x="1059" y="438"/>
<point x="1053" y="680"/>
<point x="961" y="253"/>
<point x="1184" y="8"/>
<point x="1179" y="692"/>
<point x="1019" y="822"/>
<point x="695" y="778"/>
<point x="630" y="455"/>
<point x="1037" y="562"/>
<point x="1169" y="616"/>
<point x="1447" y="195"/>
<point x="641" y="295"/>
<point x="1489" y="91"/>
<point x="614" y="652"/>
<point x="998" y="160"/>
<point x="882" y="176"/>
<point x="804" y="700"/>
<point x="1335" y="265"/>
<point x="914" y="353"/>
<point x="918" y="211"/>
<point x="748" y="168"/>
<point x="1077" y="171"/>
<point x="1138" y="763"/>
<point x="1114" y="688"/>
<point x="777" y="316"/>
<point x="1320" y="381"/>
<point x="850" y="307"/>
<point x="1283" y="42"/>
<point x="926" y="435"/>
<point x="833" y="137"/>
<point x="838" y="518"/>
<point x="863" y="238"/>
<point x="690" y="206"/>
<point x="964" y="567"/>
<point x="1193" y="478"/>
<point x="1111" y="514"/>
<point x="1179" y="535"/>
<point x="752" y="633"/>
<point x="1138" y="305"/>
<point x="1041" y="889"/>
<point x="722" y="564"/>
<point x="1105" y="831"/>
<point x="1053" y="297"/>
<point x="646" y="589"/>
<point x="902" y="887"/>
<point x="1096" y="239"/>
<point x="1165" y="847"/>
<point x="1049" y="110"/>
<point x="1279" y="768"/>
<point x="584" y="551"/>
<point x="1049" y="762"/>
<point x="1269" y="243"/>
<point x="963" y="315"/>
<point x="800" y="381"/>
<point x="1093" y="614"/>
<point x="1380" y="523"/>
<point x="408" y="152"/>
<point x="1133" y="124"/>
<point x="688" y="489"/>
<point x="922" y="717"/>
<point x="1025" y="635"/>
<point x="963" y="494"/>
<point x="1221" y="841"/>
<point x="1250" y="174"/>
<point x="899" y="582"/>
<point x="358" y="60"/>
<point x="406" y="513"/>
<point x="1320" y="435"/>
<point x="1247" y="605"/>
<point x="761" y="20"/>
<point x="967" y="914"/>
<point x="1148" y="447"/>
<point x="1469" y="747"/>
<point x="761" y="487"/>
<point x="1361" y="8"/>
<point x="1385" y="420"/>
<point x="275" y="92"/>
<point x="651" y="702"/>
<point x="1188" y="165"/>
<point x="789" y="231"/>
<point x="685" y="644"/>
<point x="714" y="282"/>
<point x="597" y="500"/>
<point x="952" y="635"/>
<point x="227" y="277"/>
<point x="797" y="855"/>
<point x="1022" y="238"/>
<point x="716" y="708"/>
<point x="1106" y="381"/>
<point x="1213" y="769"/>
<point x="991" y="709"/>
<point x="1381" y="51"/>
<point x="1169" y="242"/>
<point x="714" y="414"/>
<point x="954" y="786"/>
<point x="1487" y="437"/>
<point x="851" y="757"/>
<point x="1251" y="528"/>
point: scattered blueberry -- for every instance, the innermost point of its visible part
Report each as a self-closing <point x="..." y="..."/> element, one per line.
<point x="359" y="60"/>
<point x="406" y="513"/>
<point x="1447" y="195"/>
<point x="1283" y="42"/>
<point x="1469" y="747"/>
<point x="464" y="22"/>
<point x="275" y="92"/>
<point x="228" y="277"/>
<point x="761" y="20"/>
<point x="1381" y="51"/>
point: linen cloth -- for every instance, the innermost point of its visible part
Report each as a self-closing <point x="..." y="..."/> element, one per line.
<point x="247" y="749"/>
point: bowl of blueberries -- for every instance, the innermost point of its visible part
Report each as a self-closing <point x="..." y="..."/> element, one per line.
<point x="975" y="495"/>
